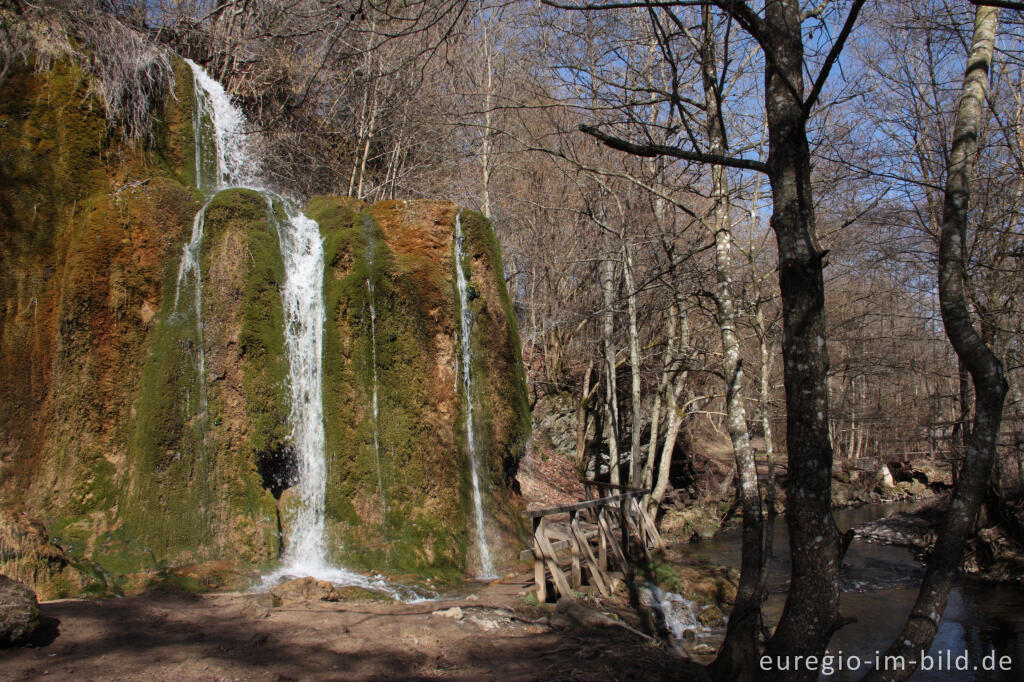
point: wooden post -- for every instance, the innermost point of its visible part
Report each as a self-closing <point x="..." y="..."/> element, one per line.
<point x="596" y="576"/>
<point x="538" y="562"/>
<point x="576" y="577"/>
<point x="603" y="544"/>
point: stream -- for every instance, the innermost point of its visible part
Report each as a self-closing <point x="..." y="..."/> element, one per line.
<point x="879" y="584"/>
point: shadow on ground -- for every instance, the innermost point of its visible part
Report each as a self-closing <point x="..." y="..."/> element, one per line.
<point x="174" y="636"/>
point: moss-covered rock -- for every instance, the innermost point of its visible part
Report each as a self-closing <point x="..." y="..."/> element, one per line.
<point x="145" y="421"/>
<point x="410" y="513"/>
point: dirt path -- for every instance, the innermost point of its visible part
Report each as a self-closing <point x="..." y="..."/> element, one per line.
<point x="489" y="635"/>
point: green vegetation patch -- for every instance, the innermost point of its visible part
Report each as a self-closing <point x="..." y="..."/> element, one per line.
<point x="417" y="524"/>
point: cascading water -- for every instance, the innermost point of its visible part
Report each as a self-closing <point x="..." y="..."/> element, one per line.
<point x="376" y="409"/>
<point x="190" y="274"/>
<point x="303" y="257"/>
<point x="224" y="160"/>
<point x="465" y="328"/>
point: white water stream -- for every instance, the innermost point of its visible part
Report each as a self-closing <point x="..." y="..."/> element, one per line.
<point x="371" y="246"/>
<point x="466" y="327"/>
<point x="223" y="151"/>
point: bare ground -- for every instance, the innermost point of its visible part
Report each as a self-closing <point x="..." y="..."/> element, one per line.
<point x="165" y="636"/>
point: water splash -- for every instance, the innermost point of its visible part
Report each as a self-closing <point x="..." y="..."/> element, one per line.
<point x="679" y="613"/>
<point x="465" y="327"/>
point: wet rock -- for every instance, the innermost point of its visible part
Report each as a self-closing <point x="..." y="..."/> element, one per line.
<point x="217" y="575"/>
<point x="19" y="613"/>
<point x="28" y="555"/>
<point x="304" y="590"/>
<point x="455" y="613"/>
<point x="711" y="617"/>
<point x="913" y="528"/>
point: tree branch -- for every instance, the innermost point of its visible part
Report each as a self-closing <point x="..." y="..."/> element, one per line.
<point x="653" y="150"/>
<point x="1006" y="4"/>
<point x="833" y="55"/>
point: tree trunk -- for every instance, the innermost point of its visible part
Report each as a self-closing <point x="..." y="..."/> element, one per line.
<point x="611" y="422"/>
<point x="581" y="420"/>
<point x="769" y="448"/>
<point x="664" y="386"/>
<point x="737" y="658"/>
<point x="675" y="422"/>
<point x="811" y="613"/>
<point x="985" y="368"/>
<point x="634" y="362"/>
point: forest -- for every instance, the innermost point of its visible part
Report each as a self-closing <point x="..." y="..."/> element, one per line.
<point x="765" y="257"/>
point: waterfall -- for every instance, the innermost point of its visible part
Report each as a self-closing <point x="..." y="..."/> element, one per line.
<point x="371" y="248"/>
<point x="466" y="326"/>
<point x="303" y="256"/>
<point x="224" y="159"/>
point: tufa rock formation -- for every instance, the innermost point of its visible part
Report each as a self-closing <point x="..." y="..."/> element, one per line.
<point x="101" y="437"/>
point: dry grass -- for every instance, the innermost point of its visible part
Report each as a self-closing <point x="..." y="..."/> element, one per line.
<point x="132" y="75"/>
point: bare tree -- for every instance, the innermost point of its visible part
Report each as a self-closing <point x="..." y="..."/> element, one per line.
<point x="985" y="368"/>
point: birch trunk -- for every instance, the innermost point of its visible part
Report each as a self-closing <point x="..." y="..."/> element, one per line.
<point x="611" y="422"/>
<point x="675" y="422"/>
<point x="634" y="361"/>
<point x="663" y="387"/>
<point x="737" y="658"/>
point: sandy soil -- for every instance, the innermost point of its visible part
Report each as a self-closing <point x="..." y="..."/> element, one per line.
<point x="492" y="634"/>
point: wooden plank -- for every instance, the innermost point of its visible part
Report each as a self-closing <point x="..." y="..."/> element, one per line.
<point x="616" y="486"/>
<point x="614" y="545"/>
<point x="576" y="575"/>
<point x="558" y="546"/>
<point x="635" y="529"/>
<point x="603" y="542"/>
<point x="652" y="530"/>
<point x="595" y="570"/>
<point x="539" y="579"/>
<point x="561" y="584"/>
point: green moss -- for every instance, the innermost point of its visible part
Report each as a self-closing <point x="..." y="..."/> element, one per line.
<point x="500" y="402"/>
<point x="172" y="148"/>
<point x="420" y="477"/>
<point x="194" y="493"/>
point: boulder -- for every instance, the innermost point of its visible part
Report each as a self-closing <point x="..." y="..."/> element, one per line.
<point x="305" y="589"/>
<point x="19" y="613"/>
<point x="711" y="617"/>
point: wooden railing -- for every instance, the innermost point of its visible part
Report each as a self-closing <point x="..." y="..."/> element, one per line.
<point x="599" y="533"/>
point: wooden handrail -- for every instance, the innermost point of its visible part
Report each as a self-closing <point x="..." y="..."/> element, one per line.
<point x="586" y="504"/>
<point x="615" y="486"/>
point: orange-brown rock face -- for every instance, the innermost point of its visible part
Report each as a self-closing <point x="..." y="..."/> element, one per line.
<point x="102" y="436"/>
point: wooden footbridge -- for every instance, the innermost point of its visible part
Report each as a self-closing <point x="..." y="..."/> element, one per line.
<point x="590" y="543"/>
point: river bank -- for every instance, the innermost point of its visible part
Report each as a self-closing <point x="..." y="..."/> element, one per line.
<point x="879" y="584"/>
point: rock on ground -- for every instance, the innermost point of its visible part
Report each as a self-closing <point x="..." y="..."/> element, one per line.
<point x="305" y="589"/>
<point x="19" y="613"/>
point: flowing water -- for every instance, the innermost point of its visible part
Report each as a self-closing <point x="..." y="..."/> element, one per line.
<point x="371" y="247"/>
<point x="303" y="256"/>
<point x="879" y="584"/>
<point x="224" y="159"/>
<point x="466" y="326"/>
